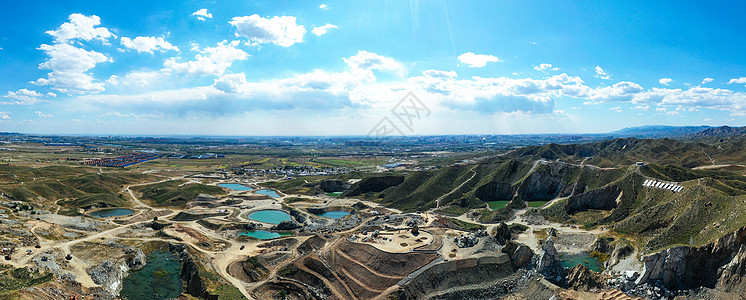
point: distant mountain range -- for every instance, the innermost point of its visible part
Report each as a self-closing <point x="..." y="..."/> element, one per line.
<point x="663" y="131"/>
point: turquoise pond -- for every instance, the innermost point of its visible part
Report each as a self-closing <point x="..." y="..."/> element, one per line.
<point x="334" y="214"/>
<point x="270" y="216"/>
<point x="158" y="279"/>
<point x="235" y="186"/>
<point x="264" y="235"/>
<point x="585" y="258"/>
<point x="268" y="192"/>
<point x="112" y="212"/>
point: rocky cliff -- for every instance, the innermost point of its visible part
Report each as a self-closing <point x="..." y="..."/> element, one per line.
<point x="721" y="264"/>
<point x="475" y="278"/>
<point x="373" y="184"/>
<point x="603" y="198"/>
<point x="495" y="191"/>
<point x="541" y="186"/>
<point x="190" y="273"/>
<point x="550" y="264"/>
<point x="333" y="185"/>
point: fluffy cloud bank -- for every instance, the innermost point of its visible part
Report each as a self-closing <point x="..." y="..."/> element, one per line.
<point x="476" y="60"/>
<point x="322" y="30"/>
<point x="211" y="60"/>
<point x="281" y="31"/>
<point x="148" y="44"/>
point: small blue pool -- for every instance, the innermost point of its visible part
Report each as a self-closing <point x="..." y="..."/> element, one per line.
<point x="268" y="192"/>
<point x="584" y="258"/>
<point x="235" y="186"/>
<point x="112" y="212"/>
<point x="263" y="234"/>
<point x="270" y="216"/>
<point x="334" y="214"/>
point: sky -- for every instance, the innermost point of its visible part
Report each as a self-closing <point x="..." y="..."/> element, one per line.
<point x="369" y="67"/>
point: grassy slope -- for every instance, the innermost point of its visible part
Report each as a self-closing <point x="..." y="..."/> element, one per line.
<point x="76" y="186"/>
<point x="173" y="194"/>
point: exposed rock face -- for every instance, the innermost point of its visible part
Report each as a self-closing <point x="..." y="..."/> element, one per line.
<point x="549" y="263"/>
<point x="299" y="217"/>
<point x="620" y="252"/>
<point x="720" y="264"/>
<point x="374" y="184"/>
<point x="601" y="245"/>
<point x="109" y="275"/>
<point x="285" y="225"/>
<point x="135" y="258"/>
<point x="541" y="186"/>
<point x="316" y="210"/>
<point x="445" y="279"/>
<point x="519" y="254"/>
<point x="495" y="191"/>
<point x="502" y="234"/>
<point x="604" y="198"/>
<point x="186" y="216"/>
<point x="190" y="274"/>
<point x="580" y="278"/>
<point x="333" y="185"/>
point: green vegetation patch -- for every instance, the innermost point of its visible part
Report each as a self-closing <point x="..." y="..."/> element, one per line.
<point x="96" y="200"/>
<point x="12" y="279"/>
<point x="173" y="194"/>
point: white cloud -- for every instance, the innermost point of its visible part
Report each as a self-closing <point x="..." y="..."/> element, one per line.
<point x="665" y="81"/>
<point x="707" y="80"/>
<point x="148" y="44"/>
<point x="231" y="83"/>
<point x="357" y="88"/>
<point x="202" y="14"/>
<point x="4" y="115"/>
<point x="321" y="30"/>
<point x="211" y="60"/>
<point x="69" y="65"/>
<point x="617" y="109"/>
<point x="134" y="116"/>
<point x="25" y="97"/>
<point x="440" y="74"/>
<point x="140" y="79"/>
<point x="324" y="6"/>
<point x="281" y="31"/>
<point x="601" y="74"/>
<point x="545" y="66"/>
<point x="43" y="115"/>
<point x="363" y="63"/>
<point x="81" y="27"/>
<point x="737" y="80"/>
<point x="476" y="60"/>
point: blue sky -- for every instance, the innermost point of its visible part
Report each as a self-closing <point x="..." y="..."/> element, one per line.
<point x="339" y="68"/>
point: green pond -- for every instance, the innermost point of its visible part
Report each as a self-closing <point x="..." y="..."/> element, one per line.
<point x="270" y="216"/>
<point x="584" y="258"/>
<point x="264" y="235"/>
<point x="334" y="194"/>
<point x="158" y="279"/>
<point x="536" y="203"/>
<point x="495" y="205"/>
<point x="268" y="192"/>
<point x="235" y="186"/>
<point x="111" y="212"/>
